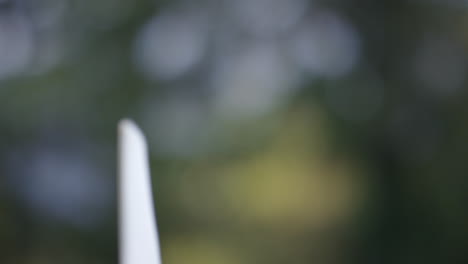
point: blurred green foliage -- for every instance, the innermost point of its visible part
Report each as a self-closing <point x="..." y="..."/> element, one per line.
<point x="318" y="179"/>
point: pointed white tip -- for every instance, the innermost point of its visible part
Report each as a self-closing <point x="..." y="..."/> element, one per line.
<point x="129" y="130"/>
<point x="137" y="226"/>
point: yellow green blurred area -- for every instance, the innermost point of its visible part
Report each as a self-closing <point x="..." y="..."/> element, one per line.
<point x="282" y="199"/>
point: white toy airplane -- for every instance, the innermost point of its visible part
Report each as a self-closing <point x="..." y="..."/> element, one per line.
<point x="138" y="235"/>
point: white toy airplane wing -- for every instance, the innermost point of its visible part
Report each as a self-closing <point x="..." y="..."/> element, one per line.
<point x="138" y="235"/>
